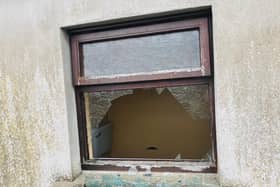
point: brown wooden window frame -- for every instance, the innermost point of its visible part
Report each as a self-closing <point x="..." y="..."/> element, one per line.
<point x="200" y="24"/>
<point x="135" y="27"/>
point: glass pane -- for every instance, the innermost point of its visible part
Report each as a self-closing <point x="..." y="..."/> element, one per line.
<point x="178" y="51"/>
<point x="162" y="123"/>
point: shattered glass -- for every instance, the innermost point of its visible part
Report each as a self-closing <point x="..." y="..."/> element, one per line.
<point x="100" y="103"/>
<point x="194" y="100"/>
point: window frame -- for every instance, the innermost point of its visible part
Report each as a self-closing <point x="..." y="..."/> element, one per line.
<point x="200" y="24"/>
<point x="134" y="28"/>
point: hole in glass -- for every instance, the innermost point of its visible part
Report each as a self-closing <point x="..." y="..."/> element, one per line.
<point x="136" y="123"/>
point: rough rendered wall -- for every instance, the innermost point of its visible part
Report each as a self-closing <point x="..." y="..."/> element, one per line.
<point x="247" y="65"/>
<point x="34" y="141"/>
<point x="34" y="133"/>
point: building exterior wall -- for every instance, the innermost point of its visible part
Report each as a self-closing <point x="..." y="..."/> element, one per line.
<point x="38" y="132"/>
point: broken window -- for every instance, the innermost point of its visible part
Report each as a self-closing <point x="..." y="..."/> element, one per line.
<point x="145" y="93"/>
<point x="158" y="123"/>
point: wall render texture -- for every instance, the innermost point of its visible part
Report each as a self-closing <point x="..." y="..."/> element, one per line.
<point x="38" y="133"/>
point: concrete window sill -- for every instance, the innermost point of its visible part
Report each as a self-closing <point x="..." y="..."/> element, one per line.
<point x="143" y="179"/>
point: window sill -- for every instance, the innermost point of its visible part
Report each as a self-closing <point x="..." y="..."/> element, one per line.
<point x="130" y="178"/>
<point x="151" y="166"/>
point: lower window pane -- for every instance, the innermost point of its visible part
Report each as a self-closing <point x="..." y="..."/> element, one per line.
<point x="154" y="123"/>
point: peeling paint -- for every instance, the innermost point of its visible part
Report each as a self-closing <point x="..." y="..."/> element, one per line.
<point x="158" y="180"/>
<point x="174" y="71"/>
<point x="147" y="165"/>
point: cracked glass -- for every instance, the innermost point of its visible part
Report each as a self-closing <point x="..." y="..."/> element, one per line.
<point x="154" y="123"/>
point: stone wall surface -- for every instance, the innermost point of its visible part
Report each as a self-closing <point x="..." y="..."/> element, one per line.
<point x="38" y="133"/>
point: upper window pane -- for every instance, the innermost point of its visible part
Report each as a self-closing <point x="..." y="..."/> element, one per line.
<point x="161" y="53"/>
